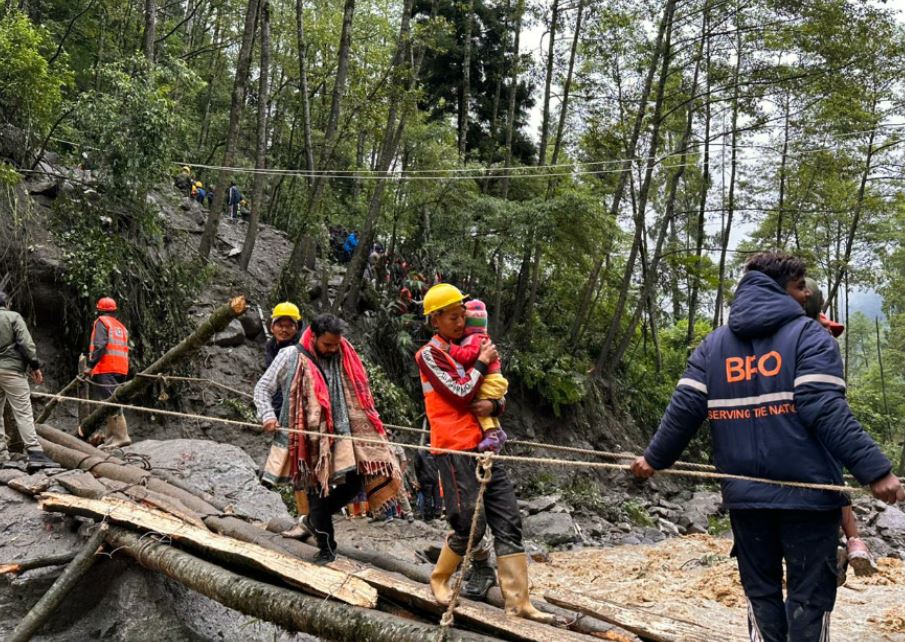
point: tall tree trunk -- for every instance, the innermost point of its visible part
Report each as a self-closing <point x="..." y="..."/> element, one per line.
<point x="466" y="81"/>
<point x="616" y="321"/>
<point x="150" y="28"/>
<point x="350" y="290"/>
<point x="557" y="146"/>
<point x="513" y="90"/>
<point x="209" y="92"/>
<point x="591" y="283"/>
<point x="304" y="243"/>
<point x="212" y="225"/>
<point x="782" y="174"/>
<point x="733" y="172"/>
<point x="257" y="202"/>
<point x="302" y="46"/>
<point x="548" y="79"/>
<point x="842" y="269"/>
<point x="650" y="280"/>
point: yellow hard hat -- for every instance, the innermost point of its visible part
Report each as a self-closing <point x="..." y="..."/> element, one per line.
<point x="440" y="296"/>
<point x="285" y="309"/>
<point x="198" y="184"/>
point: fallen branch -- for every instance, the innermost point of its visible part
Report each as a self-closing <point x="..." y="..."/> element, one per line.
<point x="15" y="568"/>
<point x="216" y="322"/>
<point x="319" y="580"/>
<point x="289" y="609"/>
<point x="39" y="613"/>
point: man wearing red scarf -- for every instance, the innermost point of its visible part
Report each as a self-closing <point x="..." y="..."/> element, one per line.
<point x="326" y="399"/>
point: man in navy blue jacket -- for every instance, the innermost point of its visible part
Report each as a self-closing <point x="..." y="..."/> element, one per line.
<point x="770" y="383"/>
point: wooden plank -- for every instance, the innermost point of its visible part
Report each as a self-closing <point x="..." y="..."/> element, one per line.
<point x="473" y="614"/>
<point x="319" y="580"/>
<point x="653" y="626"/>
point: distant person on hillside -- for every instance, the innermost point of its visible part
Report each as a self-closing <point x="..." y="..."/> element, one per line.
<point x="233" y="199"/>
<point x="200" y="195"/>
<point x="770" y="383"/>
<point x="210" y="194"/>
<point x="856" y="551"/>
<point x="349" y="246"/>
<point x="17" y="356"/>
<point x="326" y="390"/>
<point x="108" y="367"/>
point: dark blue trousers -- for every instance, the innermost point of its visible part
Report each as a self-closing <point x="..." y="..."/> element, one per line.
<point x="806" y="541"/>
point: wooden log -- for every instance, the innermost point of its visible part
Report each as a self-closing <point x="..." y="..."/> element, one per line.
<point x="651" y="626"/>
<point x="319" y="580"/>
<point x="39" y="613"/>
<point x="475" y="614"/>
<point x="14" y="568"/>
<point x="289" y="609"/>
<point x="71" y="452"/>
<point x="216" y="322"/>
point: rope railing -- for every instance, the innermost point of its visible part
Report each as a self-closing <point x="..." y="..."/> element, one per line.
<point x="700" y="474"/>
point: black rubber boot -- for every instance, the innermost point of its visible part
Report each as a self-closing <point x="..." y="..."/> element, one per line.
<point x="480" y="581"/>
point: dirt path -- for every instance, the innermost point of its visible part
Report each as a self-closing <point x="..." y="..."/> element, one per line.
<point x="693" y="578"/>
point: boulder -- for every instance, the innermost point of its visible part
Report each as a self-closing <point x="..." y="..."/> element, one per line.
<point x="891" y="522"/>
<point x="251" y="323"/>
<point x="541" y="504"/>
<point x="551" y="528"/>
<point x="219" y="469"/>
<point x="232" y="335"/>
<point x="44" y="180"/>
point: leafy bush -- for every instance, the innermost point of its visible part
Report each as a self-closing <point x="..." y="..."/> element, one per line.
<point x="133" y="124"/>
<point x="636" y="513"/>
<point x="392" y="401"/>
<point x="558" y="377"/>
<point x="30" y="89"/>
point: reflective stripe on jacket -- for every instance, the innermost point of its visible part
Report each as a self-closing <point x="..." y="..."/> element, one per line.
<point x="448" y="392"/>
<point x="771" y="385"/>
<point x="115" y="357"/>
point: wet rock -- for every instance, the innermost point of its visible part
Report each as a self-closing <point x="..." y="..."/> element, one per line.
<point x="667" y="527"/>
<point x="220" y="469"/>
<point x="891" y="522"/>
<point x="251" y="323"/>
<point x="541" y="504"/>
<point x="233" y="335"/>
<point x="593" y="526"/>
<point x="44" y="180"/>
<point x="652" y="535"/>
<point x="551" y="528"/>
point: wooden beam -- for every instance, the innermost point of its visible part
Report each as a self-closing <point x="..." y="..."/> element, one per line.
<point x="474" y="614"/>
<point x="290" y="609"/>
<point x="319" y="580"/>
<point x="652" y="626"/>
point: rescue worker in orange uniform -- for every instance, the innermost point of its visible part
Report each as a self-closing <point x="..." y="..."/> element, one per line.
<point x="108" y="367"/>
<point x="451" y="404"/>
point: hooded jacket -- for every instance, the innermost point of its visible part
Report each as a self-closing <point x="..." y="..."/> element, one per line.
<point x="17" y="348"/>
<point x="770" y="383"/>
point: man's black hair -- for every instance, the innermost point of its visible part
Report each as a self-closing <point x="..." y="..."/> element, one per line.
<point x="4" y="299"/>
<point x="324" y="323"/>
<point x="779" y="266"/>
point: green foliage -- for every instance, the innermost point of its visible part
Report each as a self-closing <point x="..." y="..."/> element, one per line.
<point x="133" y="124"/>
<point x="30" y="89"/>
<point x="393" y="403"/>
<point x="558" y="378"/>
<point x="8" y="175"/>
<point x="718" y="525"/>
<point x="636" y="513"/>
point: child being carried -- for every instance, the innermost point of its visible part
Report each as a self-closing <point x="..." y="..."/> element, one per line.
<point x="495" y="385"/>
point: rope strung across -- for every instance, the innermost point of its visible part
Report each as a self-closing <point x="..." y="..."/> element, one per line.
<point x="700" y="474"/>
<point x="484" y="473"/>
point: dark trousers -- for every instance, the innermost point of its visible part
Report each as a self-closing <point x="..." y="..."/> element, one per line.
<point x="807" y="541"/>
<point x="432" y="502"/>
<point x="460" y="493"/>
<point x="322" y="509"/>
